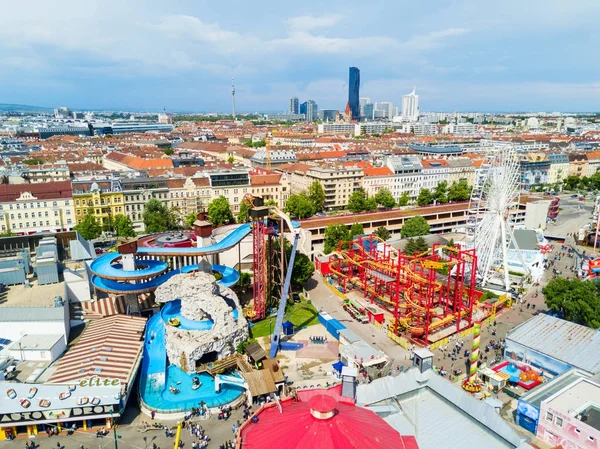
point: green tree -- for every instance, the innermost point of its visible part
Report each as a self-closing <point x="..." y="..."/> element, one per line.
<point x="440" y="193"/>
<point x="404" y="199"/>
<point x="316" y="195"/>
<point x="333" y="235"/>
<point x="303" y="268"/>
<point x="190" y="219"/>
<point x="108" y="225"/>
<point x="356" y="229"/>
<point x="357" y="201"/>
<point x="245" y="280"/>
<point x="416" y="246"/>
<point x="414" y="227"/>
<point x="459" y="191"/>
<point x="123" y="226"/>
<point x="33" y="161"/>
<point x="577" y="300"/>
<point x="383" y="233"/>
<point x="156" y="216"/>
<point x="299" y="206"/>
<point x="169" y="151"/>
<point x="242" y="216"/>
<point x="89" y="228"/>
<point x="270" y="202"/>
<point x="219" y="212"/>
<point x="424" y="197"/>
<point x="385" y="198"/>
<point x="370" y="205"/>
<point x="231" y="159"/>
<point x="572" y="182"/>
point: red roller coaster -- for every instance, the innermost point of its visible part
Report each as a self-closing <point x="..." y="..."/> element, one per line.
<point x="428" y="296"/>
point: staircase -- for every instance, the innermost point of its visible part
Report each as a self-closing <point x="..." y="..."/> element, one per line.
<point x="233" y="361"/>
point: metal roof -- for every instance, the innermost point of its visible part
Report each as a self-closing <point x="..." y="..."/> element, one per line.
<point x="39" y="342"/>
<point x="568" y="342"/>
<point x="12" y="314"/>
<point x="526" y="239"/>
<point x="438" y="413"/>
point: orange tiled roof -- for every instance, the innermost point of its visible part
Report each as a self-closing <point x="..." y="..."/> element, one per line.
<point x="377" y="171"/>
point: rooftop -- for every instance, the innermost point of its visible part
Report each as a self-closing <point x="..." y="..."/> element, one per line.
<point x="578" y="399"/>
<point x="38" y="342"/>
<point x="108" y="348"/>
<point x="568" y="342"/>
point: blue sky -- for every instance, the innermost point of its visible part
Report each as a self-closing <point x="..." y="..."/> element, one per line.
<point x="465" y="55"/>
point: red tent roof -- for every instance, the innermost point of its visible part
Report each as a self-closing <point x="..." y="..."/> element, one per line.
<point x="296" y="428"/>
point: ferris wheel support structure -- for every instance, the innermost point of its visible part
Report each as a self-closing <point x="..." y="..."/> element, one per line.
<point x="495" y="192"/>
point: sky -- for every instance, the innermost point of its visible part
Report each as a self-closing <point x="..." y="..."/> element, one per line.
<point x="462" y="55"/>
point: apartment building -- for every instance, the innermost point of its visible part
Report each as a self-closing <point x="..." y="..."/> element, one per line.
<point x="408" y="175"/>
<point x="434" y="171"/>
<point x="32" y="208"/>
<point x="377" y="178"/>
<point x="559" y="167"/>
<point x="103" y="198"/>
<point x="578" y="164"/>
<point x="461" y="168"/>
<point x="593" y="162"/>
<point x="137" y="192"/>
<point x="534" y="169"/>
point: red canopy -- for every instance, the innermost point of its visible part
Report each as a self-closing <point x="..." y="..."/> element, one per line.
<point x="295" y="428"/>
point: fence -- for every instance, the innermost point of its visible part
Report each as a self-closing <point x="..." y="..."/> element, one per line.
<point x="400" y="340"/>
<point x="338" y="293"/>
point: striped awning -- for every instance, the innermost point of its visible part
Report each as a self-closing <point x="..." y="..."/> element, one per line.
<point x="109" y="348"/>
<point x="105" y="306"/>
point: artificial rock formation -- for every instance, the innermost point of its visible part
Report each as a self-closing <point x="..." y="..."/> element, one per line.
<point x="202" y="298"/>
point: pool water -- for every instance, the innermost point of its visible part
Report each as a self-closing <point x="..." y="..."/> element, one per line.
<point x="156" y="377"/>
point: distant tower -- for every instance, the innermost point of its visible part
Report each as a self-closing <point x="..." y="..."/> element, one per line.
<point x="410" y="106"/>
<point x="233" y="98"/>
<point x="354" y="92"/>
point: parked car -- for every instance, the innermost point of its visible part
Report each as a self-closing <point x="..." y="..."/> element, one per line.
<point x="296" y="297"/>
<point x="99" y="251"/>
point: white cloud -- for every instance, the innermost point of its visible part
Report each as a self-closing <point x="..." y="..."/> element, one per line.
<point x="304" y="23"/>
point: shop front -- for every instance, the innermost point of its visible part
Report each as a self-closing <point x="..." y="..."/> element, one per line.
<point x="27" y="410"/>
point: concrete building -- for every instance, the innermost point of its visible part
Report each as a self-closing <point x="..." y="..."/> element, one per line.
<point x="410" y="106"/>
<point x="32" y="208"/>
<point x="461" y="168"/>
<point x="534" y="169"/>
<point x="571" y="416"/>
<point x="384" y="110"/>
<point x="38" y="347"/>
<point x="336" y="128"/>
<point x="137" y="192"/>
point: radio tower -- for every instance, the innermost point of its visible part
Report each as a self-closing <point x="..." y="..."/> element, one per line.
<point x="233" y="98"/>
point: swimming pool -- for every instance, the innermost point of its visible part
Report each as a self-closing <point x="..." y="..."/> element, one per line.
<point x="156" y="378"/>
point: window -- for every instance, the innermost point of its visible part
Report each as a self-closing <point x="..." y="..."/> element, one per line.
<point x="35" y="223"/>
<point x="559" y="421"/>
<point x="591" y="438"/>
<point x="577" y="430"/>
<point x="77" y="203"/>
<point x="54" y="204"/>
<point x="549" y="416"/>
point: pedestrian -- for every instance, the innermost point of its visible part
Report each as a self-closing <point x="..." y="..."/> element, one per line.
<point x="234" y="429"/>
<point x="57" y="445"/>
<point x="152" y="414"/>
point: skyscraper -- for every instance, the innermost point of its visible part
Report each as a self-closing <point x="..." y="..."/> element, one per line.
<point x="312" y="111"/>
<point x="410" y="106"/>
<point x="353" y="92"/>
<point x="362" y="102"/>
<point x="294" y="106"/>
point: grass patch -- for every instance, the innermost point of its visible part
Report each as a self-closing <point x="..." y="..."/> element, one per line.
<point x="301" y="314"/>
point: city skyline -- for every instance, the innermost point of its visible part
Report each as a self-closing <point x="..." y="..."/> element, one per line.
<point x="503" y="57"/>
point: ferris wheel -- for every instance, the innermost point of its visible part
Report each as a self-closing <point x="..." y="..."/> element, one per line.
<point x="495" y="191"/>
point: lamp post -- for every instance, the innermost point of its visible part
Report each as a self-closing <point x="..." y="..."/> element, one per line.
<point x="114" y="429"/>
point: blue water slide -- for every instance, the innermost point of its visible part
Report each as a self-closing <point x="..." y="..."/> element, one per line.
<point x="230" y="277"/>
<point x="229" y="241"/>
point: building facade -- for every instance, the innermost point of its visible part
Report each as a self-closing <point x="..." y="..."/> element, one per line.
<point x="103" y="199"/>
<point x="33" y="208"/>
<point x="294" y="107"/>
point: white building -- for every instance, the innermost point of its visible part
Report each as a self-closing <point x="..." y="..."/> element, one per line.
<point x="410" y="106"/>
<point x="384" y="110"/>
<point x="408" y="175"/>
